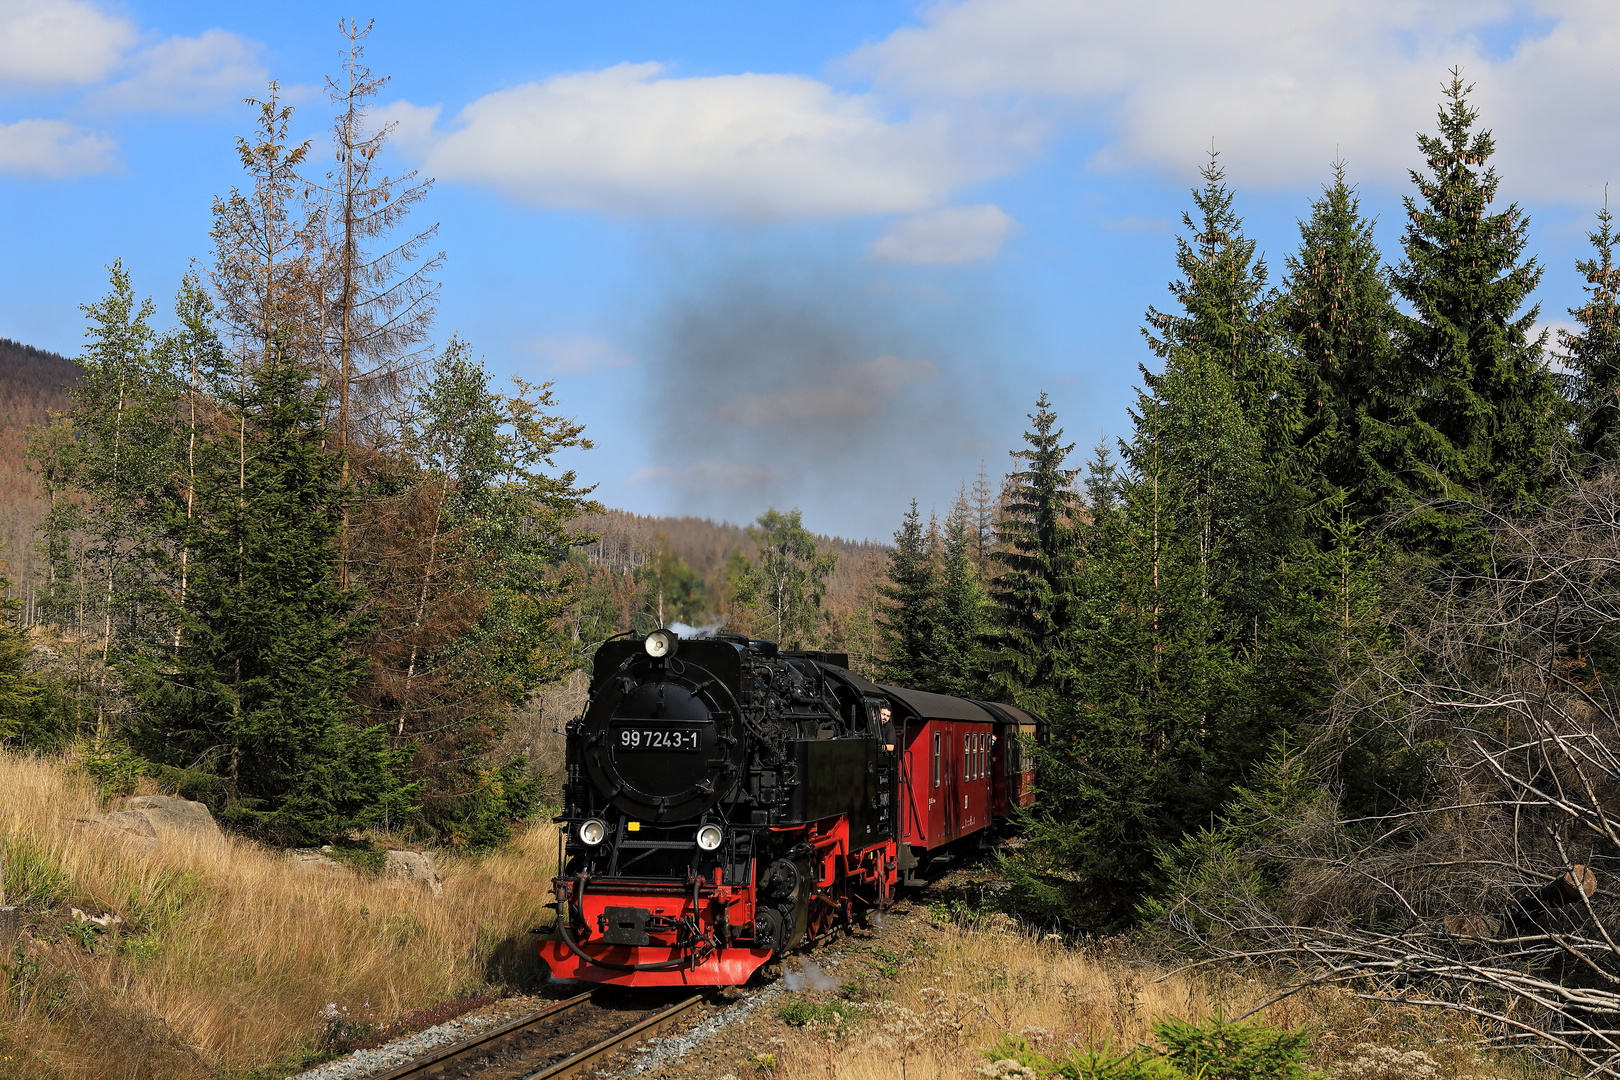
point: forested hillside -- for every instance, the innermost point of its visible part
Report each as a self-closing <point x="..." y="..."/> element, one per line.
<point x="1327" y="643"/>
<point x="646" y="572"/>
<point x="33" y="384"/>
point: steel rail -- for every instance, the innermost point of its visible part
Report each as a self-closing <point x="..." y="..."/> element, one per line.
<point x="646" y="1029"/>
<point x="481" y="1044"/>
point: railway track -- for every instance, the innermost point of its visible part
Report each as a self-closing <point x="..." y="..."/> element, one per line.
<point x="539" y="1046"/>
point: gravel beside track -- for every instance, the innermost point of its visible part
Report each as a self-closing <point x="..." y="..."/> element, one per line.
<point x="396" y="1053"/>
<point x="674" y="1047"/>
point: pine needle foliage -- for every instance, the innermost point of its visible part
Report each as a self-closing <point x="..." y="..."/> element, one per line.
<point x="257" y="691"/>
<point x="1592" y="353"/>
<point x="908" y="622"/>
<point x="1487" y="405"/>
<point x="1195" y="626"/>
<point x="1351" y="406"/>
<point x="1036" y="557"/>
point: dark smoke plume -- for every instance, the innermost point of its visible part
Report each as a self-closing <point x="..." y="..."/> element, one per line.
<point x="773" y="384"/>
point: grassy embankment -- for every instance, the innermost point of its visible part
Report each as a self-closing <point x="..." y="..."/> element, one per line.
<point x="927" y="1010"/>
<point x="228" y="951"/>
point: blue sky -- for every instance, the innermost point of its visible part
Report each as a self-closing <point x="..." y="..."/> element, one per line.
<point x="815" y="255"/>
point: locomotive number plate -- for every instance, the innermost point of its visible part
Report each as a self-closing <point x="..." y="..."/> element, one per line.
<point x="651" y="738"/>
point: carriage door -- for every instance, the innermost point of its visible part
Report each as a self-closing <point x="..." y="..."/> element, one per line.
<point x="951" y="788"/>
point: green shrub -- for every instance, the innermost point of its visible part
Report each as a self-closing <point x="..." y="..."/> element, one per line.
<point x="193" y="784"/>
<point x="1091" y="1063"/>
<point x="1216" y="1050"/>
<point x="113" y="766"/>
<point x="801" y="1013"/>
<point x="359" y="855"/>
<point x="39" y="718"/>
<point x="1209" y="1050"/>
<point x="1101" y="1064"/>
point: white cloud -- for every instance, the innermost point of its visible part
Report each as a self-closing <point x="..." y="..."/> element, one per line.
<point x="853" y="391"/>
<point x="627" y="140"/>
<point x="47" y="43"/>
<point x="954" y="234"/>
<point x="185" y="74"/>
<point x="53" y="149"/>
<point x="577" y="356"/>
<point x="1282" y="86"/>
<point x="413" y="124"/>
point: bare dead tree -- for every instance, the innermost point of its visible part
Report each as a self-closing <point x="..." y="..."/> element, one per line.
<point x="1486" y="884"/>
<point x="379" y="296"/>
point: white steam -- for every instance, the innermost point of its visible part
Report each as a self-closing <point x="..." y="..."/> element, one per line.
<point x="810" y="976"/>
<point x="687" y="633"/>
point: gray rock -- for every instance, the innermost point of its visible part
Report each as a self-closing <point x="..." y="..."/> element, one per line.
<point x="131" y="821"/>
<point x="413" y="866"/>
<point x="181" y="815"/>
<point x="312" y="859"/>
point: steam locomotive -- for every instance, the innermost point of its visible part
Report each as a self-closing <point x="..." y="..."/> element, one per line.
<point x="727" y="802"/>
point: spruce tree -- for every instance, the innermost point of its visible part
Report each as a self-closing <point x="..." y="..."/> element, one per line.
<point x="1351" y="404"/>
<point x="961" y="605"/>
<point x="1228" y="308"/>
<point x="119" y="451"/>
<point x="1592" y="354"/>
<point x="257" y="692"/>
<point x="1486" y="400"/>
<point x="984" y="521"/>
<point x="1036" y="558"/>
<point x="33" y="713"/>
<point x="1175" y="669"/>
<point x="908" y="616"/>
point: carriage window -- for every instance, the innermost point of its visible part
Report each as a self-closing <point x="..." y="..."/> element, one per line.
<point x="936" y="759"/>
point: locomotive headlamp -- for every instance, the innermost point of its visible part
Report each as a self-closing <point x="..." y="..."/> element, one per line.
<point x="709" y="837"/>
<point x="661" y="643"/>
<point x="592" y="832"/>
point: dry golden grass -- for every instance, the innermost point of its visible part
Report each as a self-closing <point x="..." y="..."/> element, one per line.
<point x="963" y="987"/>
<point x="228" y="949"/>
